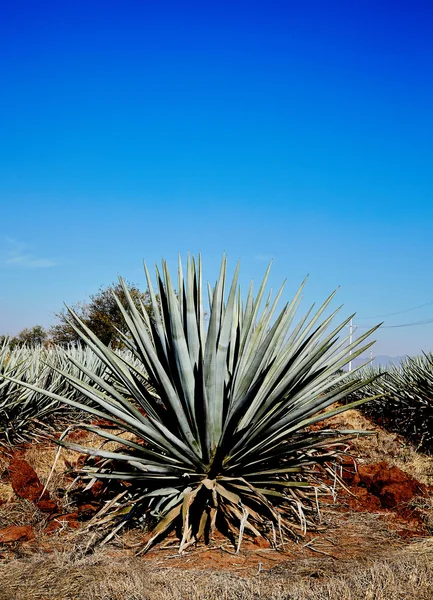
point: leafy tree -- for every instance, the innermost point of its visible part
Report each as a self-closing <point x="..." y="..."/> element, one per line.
<point x="35" y="335"/>
<point x="28" y="336"/>
<point x="101" y="314"/>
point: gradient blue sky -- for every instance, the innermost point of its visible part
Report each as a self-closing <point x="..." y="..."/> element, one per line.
<point x="301" y="131"/>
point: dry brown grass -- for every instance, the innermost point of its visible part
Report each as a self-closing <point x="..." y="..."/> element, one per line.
<point x="4" y="459"/>
<point x="424" y="506"/>
<point x="21" y="512"/>
<point x="402" y="574"/>
<point x="6" y="492"/>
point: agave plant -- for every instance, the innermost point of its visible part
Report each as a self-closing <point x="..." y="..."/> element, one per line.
<point x="221" y="410"/>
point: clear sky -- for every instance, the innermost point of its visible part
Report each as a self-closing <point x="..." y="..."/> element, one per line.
<point x="297" y="130"/>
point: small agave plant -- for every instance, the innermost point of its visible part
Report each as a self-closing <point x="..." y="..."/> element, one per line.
<point x="221" y="407"/>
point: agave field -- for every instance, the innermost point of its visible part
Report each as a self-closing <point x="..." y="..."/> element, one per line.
<point x="222" y="416"/>
<point x="406" y="399"/>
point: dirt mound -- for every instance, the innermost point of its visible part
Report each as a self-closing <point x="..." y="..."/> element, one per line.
<point x="25" y="480"/>
<point x="391" y="494"/>
<point x="22" y="484"/>
<point x="390" y="484"/>
<point x="391" y="487"/>
<point x="15" y="533"/>
<point x="26" y="485"/>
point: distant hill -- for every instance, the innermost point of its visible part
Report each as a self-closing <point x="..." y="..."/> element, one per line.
<point x="385" y="361"/>
<point x="382" y="360"/>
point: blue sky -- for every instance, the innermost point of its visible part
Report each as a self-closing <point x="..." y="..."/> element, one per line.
<point x="298" y="131"/>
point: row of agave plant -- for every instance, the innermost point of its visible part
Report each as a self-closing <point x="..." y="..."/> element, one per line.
<point x="25" y="412"/>
<point x="405" y="405"/>
<point x="220" y="409"/>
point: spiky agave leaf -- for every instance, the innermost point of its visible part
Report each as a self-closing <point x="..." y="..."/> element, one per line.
<point x="222" y="415"/>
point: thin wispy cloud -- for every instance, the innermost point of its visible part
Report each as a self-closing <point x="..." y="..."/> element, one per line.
<point x="19" y="254"/>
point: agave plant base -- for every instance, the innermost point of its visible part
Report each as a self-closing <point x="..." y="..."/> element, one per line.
<point x="235" y="508"/>
<point x="227" y="504"/>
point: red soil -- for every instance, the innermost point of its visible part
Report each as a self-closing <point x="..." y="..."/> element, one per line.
<point x="59" y="522"/>
<point x="15" y="533"/>
<point x="26" y="485"/>
<point x="379" y="488"/>
<point x="382" y="486"/>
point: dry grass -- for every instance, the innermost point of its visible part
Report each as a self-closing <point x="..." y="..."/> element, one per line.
<point x="424" y="506"/>
<point x="402" y="574"/>
<point x="359" y="557"/>
<point x="6" y="493"/>
<point x="4" y="459"/>
<point x="21" y="512"/>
